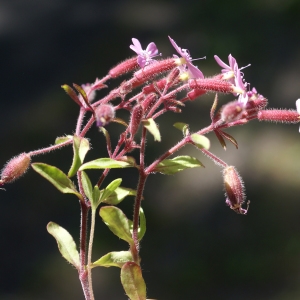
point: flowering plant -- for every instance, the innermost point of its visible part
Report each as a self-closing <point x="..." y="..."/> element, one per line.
<point x="156" y="86"/>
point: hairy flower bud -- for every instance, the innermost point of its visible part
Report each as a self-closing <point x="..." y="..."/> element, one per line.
<point x="136" y="118"/>
<point x="279" y="115"/>
<point x="232" y="111"/>
<point x="15" y="168"/>
<point x="103" y="114"/>
<point x="148" y="102"/>
<point x="192" y="95"/>
<point x="211" y="84"/>
<point x="124" y="67"/>
<point x="234" y="189"/>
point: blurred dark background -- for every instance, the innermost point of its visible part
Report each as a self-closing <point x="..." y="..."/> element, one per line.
<point x="195" y="246"/>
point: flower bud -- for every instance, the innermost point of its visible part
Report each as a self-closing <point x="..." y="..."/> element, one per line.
<point x="234" y="190"/>
<point x="279" y="115"/>
<point x="136" y="118"/>
<point x="148" y="102"/>
<point x="124" y="67"/>
<point x="211" y="84"/>
<point x="15" y="168"/>
<point x="192" y="95"/>
<point x="232" y="111"/>
<point x="103" y="114"/>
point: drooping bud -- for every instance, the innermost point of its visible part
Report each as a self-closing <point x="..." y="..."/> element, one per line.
<point x="160" y="84"/>
<point x="104" y="113"/>
<point x="124" y="67"/>
<point x="15" y="168"/>
<point x="234" y="189"/>
<point x="136" y="118"/>
<point x="212" y="85"/>
<point x="279" y="115"/>
<point x="232" y="111"/>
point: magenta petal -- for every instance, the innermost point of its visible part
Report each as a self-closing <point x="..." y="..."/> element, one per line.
<point x="141" y="61"/>
<point x="194" y="71"/>
<point x="136" y="47"/>
<point x="221" y="63"/>
<point x="152" y="49"/>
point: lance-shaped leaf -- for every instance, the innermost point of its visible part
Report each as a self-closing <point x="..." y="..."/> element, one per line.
<point x="200" y="141"/>
<point x="65" y="242"/>
<point x="57" y="177"/>
<point x="80" y="148"/>
<point x="71" y="93"/>
<point x="177" y="164"/>
<point x="142" y="225"/>
<point x="63" y="139"/>
<point x="110" y="188"/>
<point x="152" y="128"/>
<point x="118" y="195"/>
<point x="117" y="222"/>
<point x="113" y="259"/>
<point x="87" y="186"/>
<point x="182" y="127"/>
<point x="133" y="281"/>
<point x="229" y="138"/>
<point x="105" y="163"/>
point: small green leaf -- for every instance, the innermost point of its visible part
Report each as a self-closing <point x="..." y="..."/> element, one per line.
<point x="65" y="242"/>
<point x="96" y="197"/>
<point x="117" y="222"/>
<point x="63" y="139"/>
<point x="83" y="94"/>
<point x="200" y="141"/>
<point x="177" y="164"/>
<point x="182" y="127"/>
<point x="80" y="148"/>
<point x="133" y="281"/>
<point x="118" y="195"/>
<point x="59" y="179"/>
<point x="110" y="188"/>
<point x="152" y="128"/>
<point x="105" y="163"/>
<point x="113" y="259"/>
<point x="107" y="137"/>
<point x="120" y="121"/>
<point x="142" y="226"/>
<point x="87" y="186"/>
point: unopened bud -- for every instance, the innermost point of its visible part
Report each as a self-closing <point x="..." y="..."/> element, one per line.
<point x="124" y="67"/>
<point x="148" y="102"/>
<point x="15" y="168"/>
<point x="211" y="84"/>
<point x="232" y="111"/>
<point x="195" y="94"/>
<point x="104" y="113"/>
<point x="234" y="189"/>
<point x="136" y="118"/>
<point x="279" y="115"/>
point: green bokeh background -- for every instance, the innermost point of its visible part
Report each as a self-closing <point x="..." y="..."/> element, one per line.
<point x="195" y="247"/>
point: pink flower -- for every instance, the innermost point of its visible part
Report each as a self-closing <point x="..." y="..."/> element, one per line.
<point x="144" y="56"/>
<point x="186" y="65"/>
<point x="233" y="74"/>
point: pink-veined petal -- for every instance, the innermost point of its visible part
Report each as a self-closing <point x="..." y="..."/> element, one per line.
<point x="152" y="49"/>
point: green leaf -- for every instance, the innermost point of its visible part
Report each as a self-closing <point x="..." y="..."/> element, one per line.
<point x="80" y="148"/>
<point x="118" y="195"/>
<point x="87" y="186"/>
<point x="177" y="164"/>
<point x="117" y="222"/>
<point x="83" y="94"/>
<point x="142" y="227"/>
<point x="182" y="127"/>
<point x="65" y="242"/>
<point x="133" y="282"/>
<point x="105" y="163"/>
<point x="110" y="188"/>
<point x="113" y="259"/>
<point x="152" y="128"/>
<point x="63" y="139"/>
<point x="59" y="179"/>
<point x="200" y="141"/>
